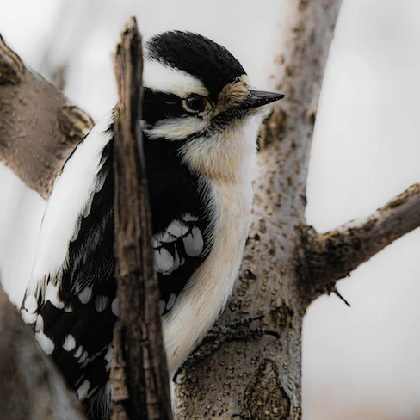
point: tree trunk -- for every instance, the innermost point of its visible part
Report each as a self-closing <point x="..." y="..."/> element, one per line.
<point x="261" y="378"/>
<point x="286" y="264"/>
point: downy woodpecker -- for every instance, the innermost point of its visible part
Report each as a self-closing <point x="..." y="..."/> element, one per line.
<point x="200" y="122"/>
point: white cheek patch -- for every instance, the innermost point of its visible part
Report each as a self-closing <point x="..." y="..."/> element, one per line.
<point x="158" y="76"/>
<point x="177" y="128"/>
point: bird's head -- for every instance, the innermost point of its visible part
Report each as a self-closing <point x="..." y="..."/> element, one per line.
<point x="199" y="96"/>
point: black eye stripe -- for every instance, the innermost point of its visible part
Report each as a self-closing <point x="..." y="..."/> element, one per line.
<point x="159" y="106"/>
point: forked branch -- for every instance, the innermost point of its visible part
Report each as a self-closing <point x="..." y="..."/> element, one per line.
<point x="325" y="258"/>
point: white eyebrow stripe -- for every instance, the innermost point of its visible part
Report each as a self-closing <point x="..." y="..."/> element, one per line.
<point x="161" y="77"/>
<point x="176" y="128"/>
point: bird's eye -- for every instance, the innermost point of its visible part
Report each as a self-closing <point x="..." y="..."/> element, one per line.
<point x="195" y="103"/>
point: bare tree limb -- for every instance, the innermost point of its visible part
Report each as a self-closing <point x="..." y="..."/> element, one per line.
<point x="139" y="374"/>
<point x="31" y="387"/>
<point x="39" y="128"/>
<point x="328" y="257"/>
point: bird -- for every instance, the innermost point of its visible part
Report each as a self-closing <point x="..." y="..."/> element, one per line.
<point x="199" y="124"/>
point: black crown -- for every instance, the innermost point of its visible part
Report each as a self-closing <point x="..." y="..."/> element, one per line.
<point x="197" y="55"/>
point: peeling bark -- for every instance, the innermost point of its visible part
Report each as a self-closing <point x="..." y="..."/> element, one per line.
<point x="139" y="373"/>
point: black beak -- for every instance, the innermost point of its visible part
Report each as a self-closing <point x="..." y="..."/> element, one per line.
<point x="259" y="98"/>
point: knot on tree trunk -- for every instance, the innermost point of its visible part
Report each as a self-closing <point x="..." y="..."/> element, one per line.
<point x="11" y="66"/>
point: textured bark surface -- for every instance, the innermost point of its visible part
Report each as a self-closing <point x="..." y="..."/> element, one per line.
<point x="261" y="378"/>
<point x="139" y="374"/>
<point x="325" y="258"/>
<point x="286" y="263"/>
<point x="39" y="128"/>
<point x="31" y="388"/>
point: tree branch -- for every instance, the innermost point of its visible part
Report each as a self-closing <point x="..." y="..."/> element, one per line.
<point x="139" y="373"/>
<point x="328" y="257"/>
<point x="31" y="387"/>
<point x="39" y="128"/>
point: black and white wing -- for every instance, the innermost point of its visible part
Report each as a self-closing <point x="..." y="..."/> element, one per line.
<point x="70" y="300"/>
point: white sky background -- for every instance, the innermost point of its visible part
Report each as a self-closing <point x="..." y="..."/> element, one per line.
<point x="360" y="362"/>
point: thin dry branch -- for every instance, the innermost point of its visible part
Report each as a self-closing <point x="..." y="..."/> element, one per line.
<point x="31" y="387"/>
<point x="326" y="258"/>
<point x="39" y="128"/>
<point x="139" y="374"/>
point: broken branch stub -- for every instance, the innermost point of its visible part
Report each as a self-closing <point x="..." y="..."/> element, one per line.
<point x="139" y="373"/>
<point x="39" y="127"/>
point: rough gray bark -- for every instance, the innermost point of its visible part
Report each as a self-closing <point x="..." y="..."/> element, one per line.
<point x="139" y="373"/>
<point x="261" y="378"/>
<point x="31" y="388"/>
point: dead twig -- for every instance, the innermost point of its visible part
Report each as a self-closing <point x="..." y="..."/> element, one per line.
<point x="139" y="374"/>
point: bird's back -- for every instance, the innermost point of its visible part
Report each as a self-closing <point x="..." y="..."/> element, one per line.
<point x="71" y="298"/>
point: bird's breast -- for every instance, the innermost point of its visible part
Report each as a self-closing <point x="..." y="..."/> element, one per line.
<point x="201" y="301"/>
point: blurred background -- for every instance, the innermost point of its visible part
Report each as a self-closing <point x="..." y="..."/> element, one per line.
<point x="360" y="362"/>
